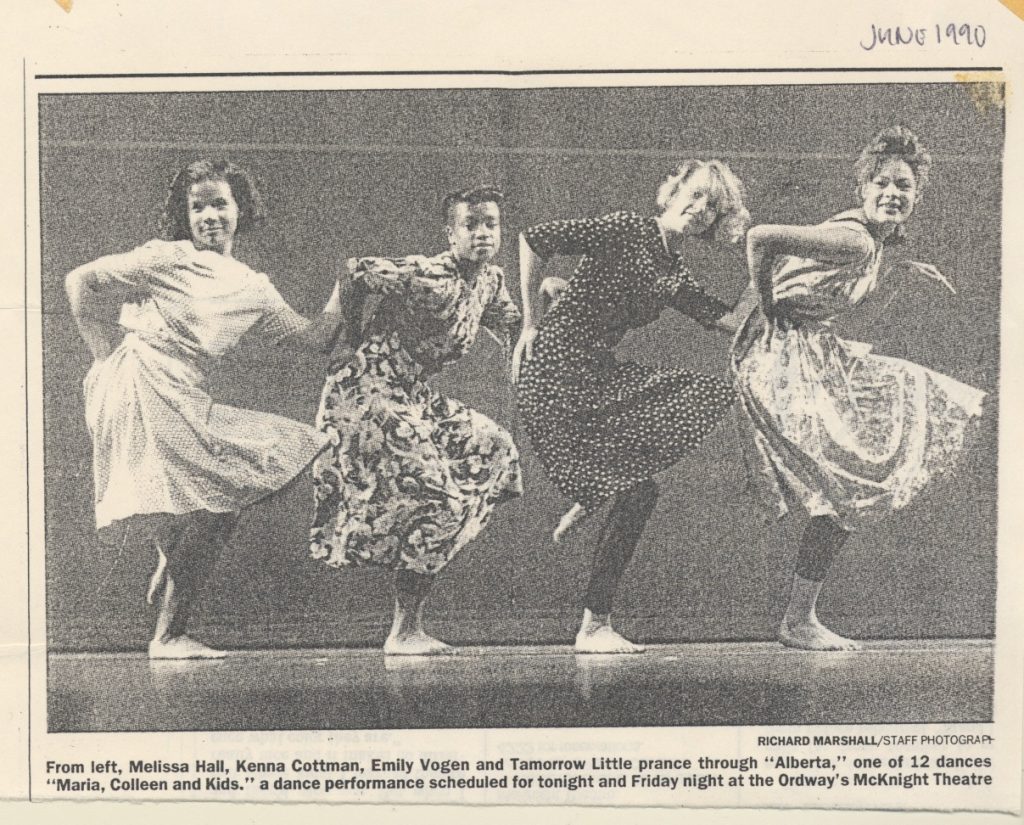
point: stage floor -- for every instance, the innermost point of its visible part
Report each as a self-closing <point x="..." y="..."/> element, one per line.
<point x="678" y="684"/>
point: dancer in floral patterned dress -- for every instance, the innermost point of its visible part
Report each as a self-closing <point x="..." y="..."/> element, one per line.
<point x="412" y="475"/>
<point x="846" y="434"/>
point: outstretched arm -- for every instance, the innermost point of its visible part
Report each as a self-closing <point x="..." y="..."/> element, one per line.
<point x="354" y="295"/>
<point x="317" y="334"/>
<point x="765" y="243"/>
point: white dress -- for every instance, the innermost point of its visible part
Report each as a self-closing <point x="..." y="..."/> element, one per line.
<point x="160" y="444"/>
<point x="828" y="424"/>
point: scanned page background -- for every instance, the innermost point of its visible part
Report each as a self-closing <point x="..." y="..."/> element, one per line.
<point x="118" y="38"/>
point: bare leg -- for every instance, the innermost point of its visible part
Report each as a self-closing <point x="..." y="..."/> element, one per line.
<point x="800" y="626"/>
<point x="616" y="545"/>
<point x="164" y="588"/>
<point x="167" y="642"/>
<point x="573" y="518"/>
<point x="159" y="578"/>
<point x="407" y="636"/>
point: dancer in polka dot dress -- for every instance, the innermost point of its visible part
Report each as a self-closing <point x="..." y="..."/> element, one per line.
<point x="601" y="427"/>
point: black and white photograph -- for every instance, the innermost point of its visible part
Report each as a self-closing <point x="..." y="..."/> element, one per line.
<point x="433" y="403"/>
<point x="466" y="410"/>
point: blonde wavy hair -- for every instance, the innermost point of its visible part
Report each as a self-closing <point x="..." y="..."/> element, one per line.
<point x="727" y="195"/>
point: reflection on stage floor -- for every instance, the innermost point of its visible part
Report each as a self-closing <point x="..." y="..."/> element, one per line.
<point x="496" y="687"/>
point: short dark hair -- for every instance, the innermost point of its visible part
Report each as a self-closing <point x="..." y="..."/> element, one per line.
<point x="471" y="197"/>
<point x="173" y="223"/>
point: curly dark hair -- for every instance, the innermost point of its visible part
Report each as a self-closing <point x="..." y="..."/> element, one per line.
<point x="173" y="223"/>
<point x="894" y="142"/>
<point x="471" y="197"/>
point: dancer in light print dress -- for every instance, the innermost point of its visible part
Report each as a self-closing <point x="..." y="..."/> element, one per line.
<point x="169" y="463"/>
<point x="830" y="426"/>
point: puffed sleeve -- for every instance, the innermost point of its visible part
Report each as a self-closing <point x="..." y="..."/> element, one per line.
<point x="385" y="276"/>
<point x="501" y="313"/>
<point x="277" y="319"/>
<point x="429" y="283"/>
<point x="587" y="236"/>
<point x="128" y="277"/>
<point x="687" y="295"/>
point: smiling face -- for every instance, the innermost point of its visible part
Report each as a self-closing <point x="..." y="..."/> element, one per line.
<point x="891" y="194"/>
<point x="474" y="231"/>
<point x="212" y="215"/>
<point x="694" y="207"/>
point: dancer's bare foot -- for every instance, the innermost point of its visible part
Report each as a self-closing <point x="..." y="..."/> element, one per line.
<point x="596" y="635"/>
<point x="604" y="640"/>
<point x="182" y="647"/>
<point x="159" y="578"/>
<point x="810" y="634"/>
<point x="570" y="521"/>
<point x="416" y="643"/>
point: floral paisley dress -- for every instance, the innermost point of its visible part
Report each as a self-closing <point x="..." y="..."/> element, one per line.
<point x="829" y="425"/>
<point x="599" y="425"/>
<point x="412" y="476"/>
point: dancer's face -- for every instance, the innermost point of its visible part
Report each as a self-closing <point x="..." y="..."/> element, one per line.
<point x="474" y="231"/>
<point x="212" y="215"/>
<point x="891" y="195"/>
<point x="693" y="209"/>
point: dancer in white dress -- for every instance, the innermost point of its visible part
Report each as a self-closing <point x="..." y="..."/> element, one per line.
<point x="848" y="435"/>
<point x="169" y="462"/>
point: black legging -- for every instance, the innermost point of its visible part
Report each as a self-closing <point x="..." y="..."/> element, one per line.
<point x="617" y="543"/>
<point x="820" y="544"/>
<point x="192" y="550"/>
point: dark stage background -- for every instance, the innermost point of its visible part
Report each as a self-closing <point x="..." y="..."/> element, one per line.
<point x="362" y="172"/>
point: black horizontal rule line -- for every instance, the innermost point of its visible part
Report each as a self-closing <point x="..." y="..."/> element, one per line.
<point x="384" y="149"/>
<point x="525" y="72"/>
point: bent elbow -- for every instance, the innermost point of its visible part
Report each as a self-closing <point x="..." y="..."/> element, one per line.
<point x="76" y="284"/>
<point x="758" y="237"/>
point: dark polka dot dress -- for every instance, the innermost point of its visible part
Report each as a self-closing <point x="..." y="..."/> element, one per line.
<point x="601" y="426"/>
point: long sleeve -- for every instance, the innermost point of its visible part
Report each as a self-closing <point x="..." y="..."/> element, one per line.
<point x="278" y="319"/>
<point x="126" y="277"/>
<point x="501" y="314"/>
<point x="691" y="299"/>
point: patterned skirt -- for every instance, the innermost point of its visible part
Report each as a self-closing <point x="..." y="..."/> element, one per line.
<point x="840" y="431"/>
<point x="411" y="476"/>
<point x="601" y="426"/>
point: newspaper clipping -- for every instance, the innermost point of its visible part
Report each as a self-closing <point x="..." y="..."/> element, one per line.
<point x="602" y="431"/>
